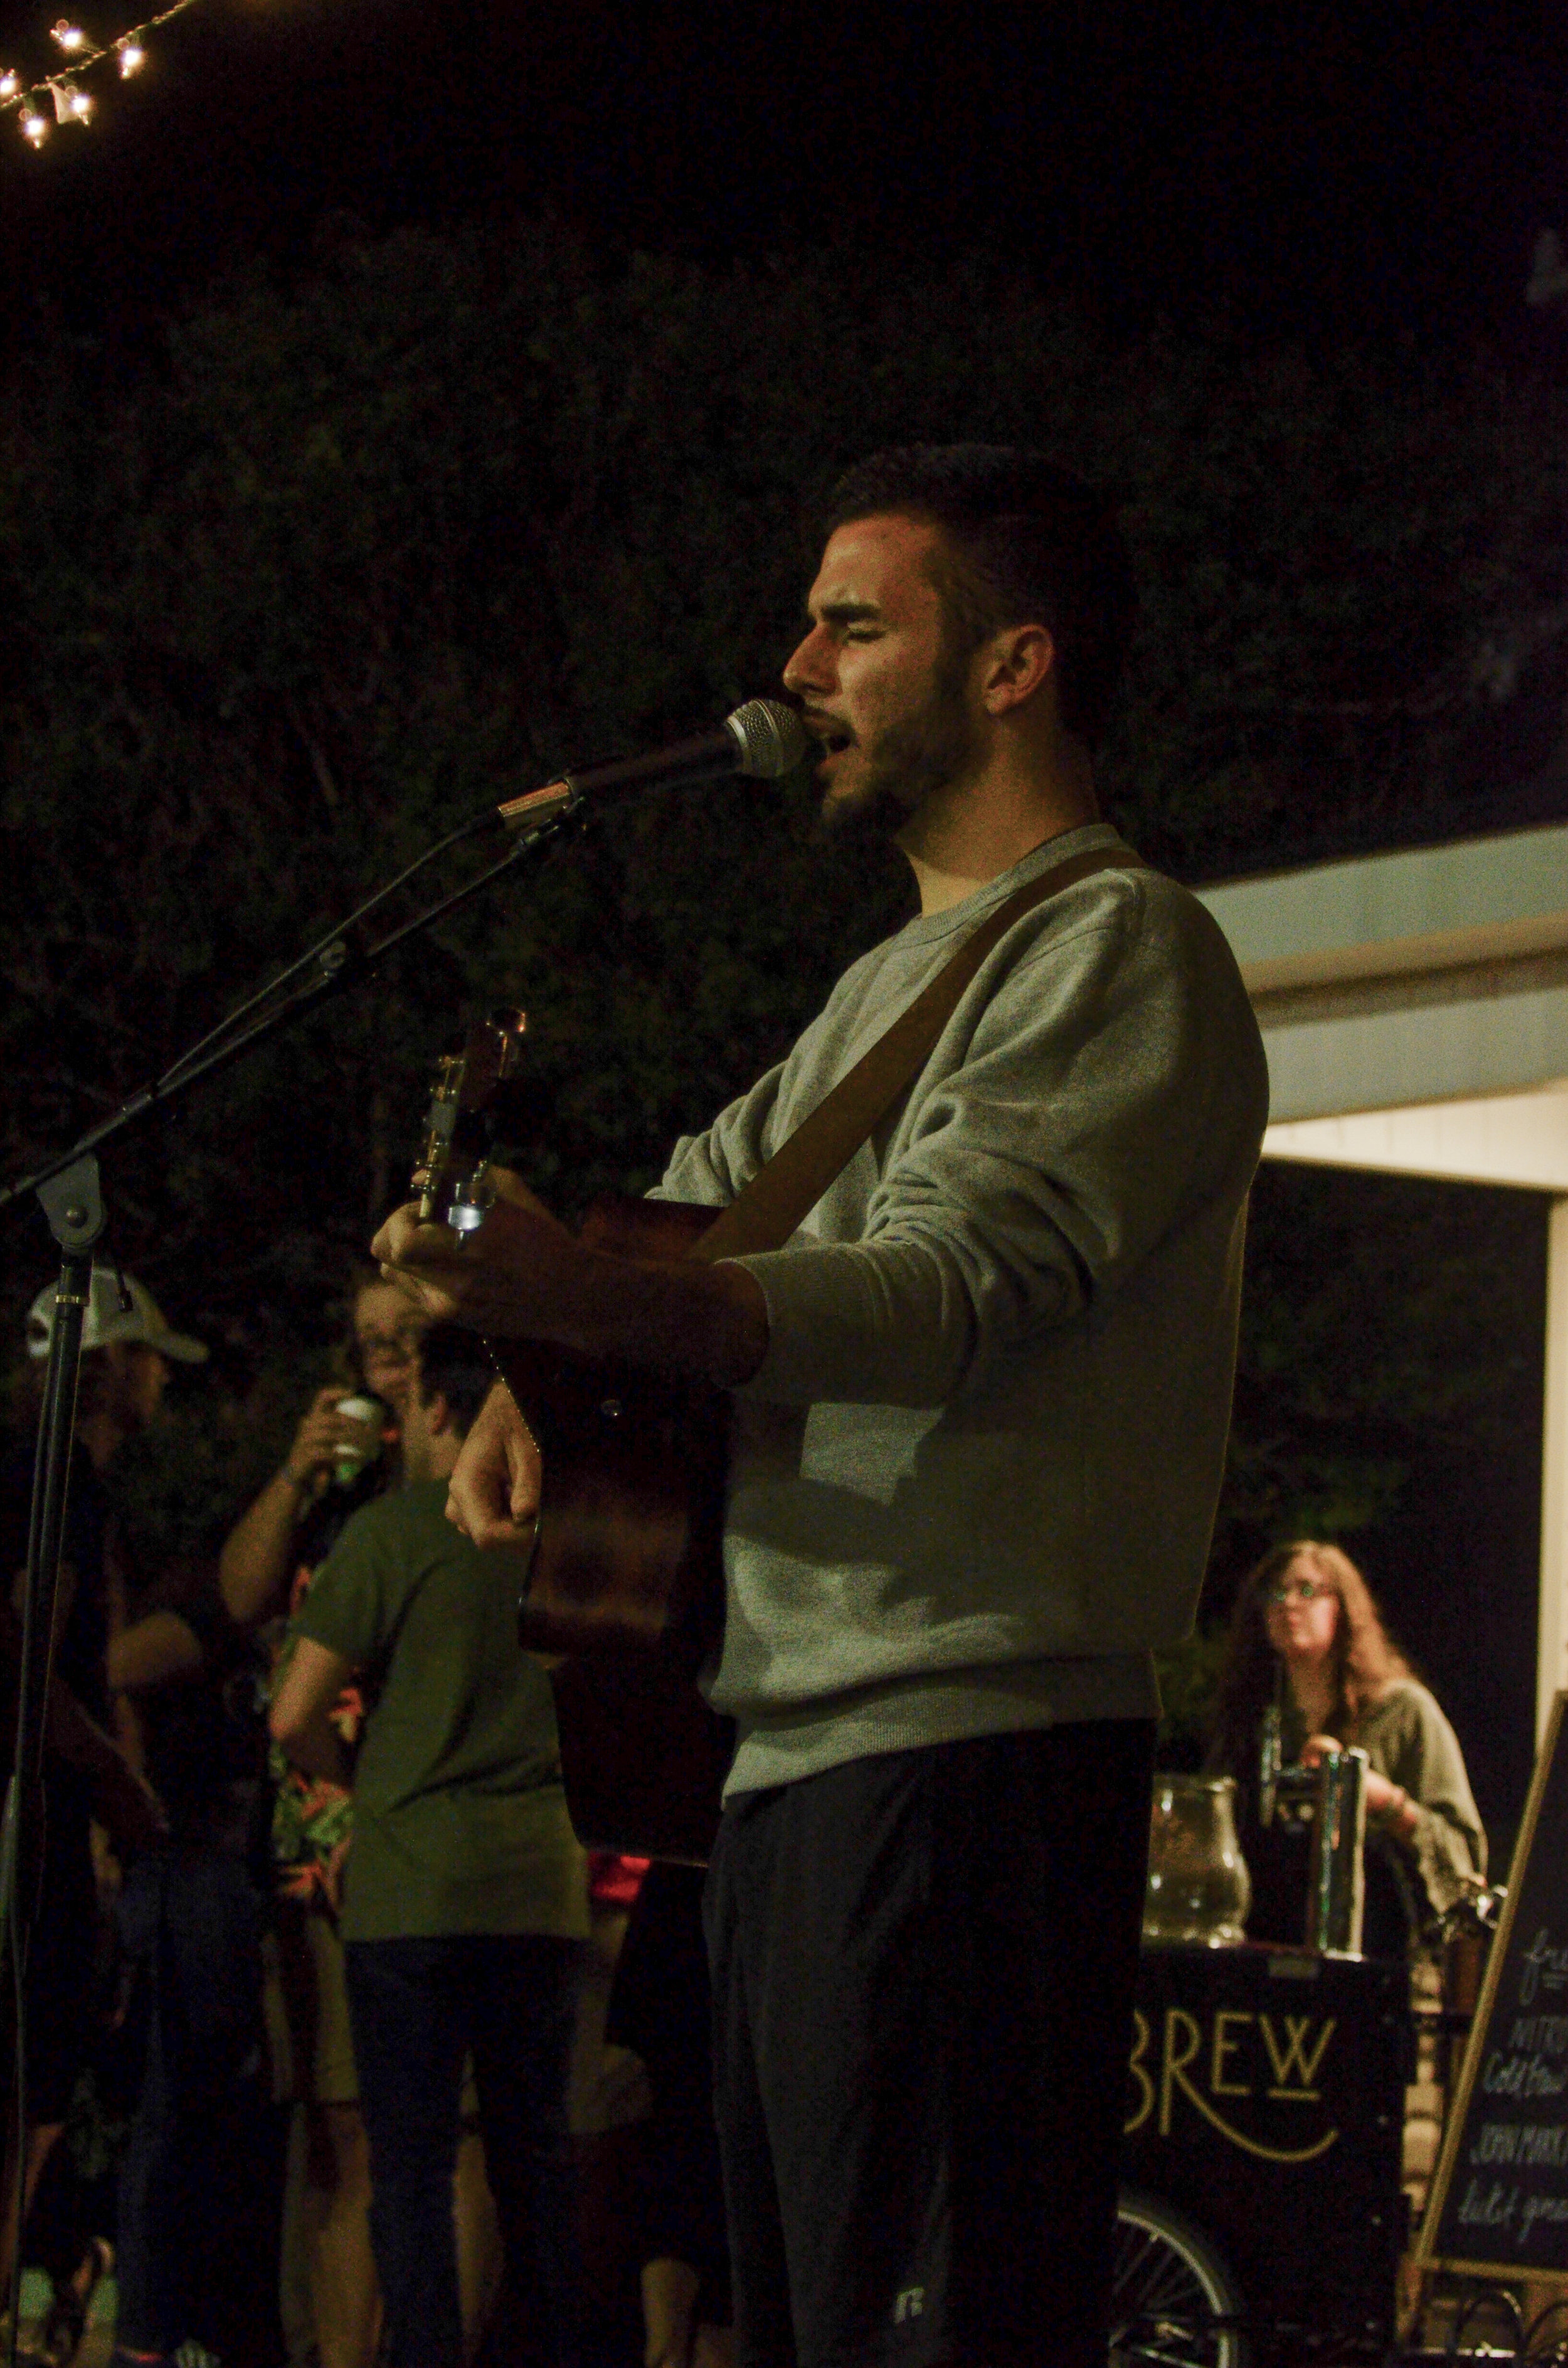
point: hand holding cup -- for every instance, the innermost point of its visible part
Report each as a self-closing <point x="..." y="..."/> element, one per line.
<point x="340" y="1433"/>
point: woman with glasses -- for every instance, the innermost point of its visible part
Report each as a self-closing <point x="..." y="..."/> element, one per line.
<point x="1306" y="1635"/>
<point x="336" y="1463"/>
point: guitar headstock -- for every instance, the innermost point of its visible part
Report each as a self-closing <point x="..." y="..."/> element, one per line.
<point x="451" y="1175"/>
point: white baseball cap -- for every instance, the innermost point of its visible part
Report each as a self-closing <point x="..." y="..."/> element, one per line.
<point x="105" y="1320"/>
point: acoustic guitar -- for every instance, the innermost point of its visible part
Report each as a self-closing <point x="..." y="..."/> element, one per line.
<point x="625" y="1579"/>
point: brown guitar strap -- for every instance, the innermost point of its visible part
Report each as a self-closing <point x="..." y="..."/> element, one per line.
<point x="781" y="1194"/>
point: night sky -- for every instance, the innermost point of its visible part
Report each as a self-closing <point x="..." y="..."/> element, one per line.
<point x="1319" y="172"/>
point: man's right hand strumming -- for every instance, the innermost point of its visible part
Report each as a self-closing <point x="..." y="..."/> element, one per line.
<point x="494" y="1491"/>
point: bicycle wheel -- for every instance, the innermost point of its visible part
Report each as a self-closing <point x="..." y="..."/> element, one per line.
<point x="1169" y="2289"/>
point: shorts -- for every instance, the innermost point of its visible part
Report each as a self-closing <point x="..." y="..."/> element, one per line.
<point x="923" y="1973"/>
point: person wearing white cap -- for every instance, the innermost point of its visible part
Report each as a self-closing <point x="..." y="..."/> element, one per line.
<point x="125" y="1368"/>
<point x="123" y="1386"/>
<point x="190" y="1917"/>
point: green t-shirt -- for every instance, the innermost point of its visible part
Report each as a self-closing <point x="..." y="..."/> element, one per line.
<point x="460" y="1819"/>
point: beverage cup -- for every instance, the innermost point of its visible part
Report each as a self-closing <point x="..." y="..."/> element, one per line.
<point x="351" y="1455"/>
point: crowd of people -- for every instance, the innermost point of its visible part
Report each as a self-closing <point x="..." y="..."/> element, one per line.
<point x="337" y="2112"/>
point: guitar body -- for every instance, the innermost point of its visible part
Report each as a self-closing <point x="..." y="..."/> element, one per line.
<point x="627" y="1574"/>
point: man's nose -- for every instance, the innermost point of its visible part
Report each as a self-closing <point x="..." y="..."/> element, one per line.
<point x="811" y="668"/>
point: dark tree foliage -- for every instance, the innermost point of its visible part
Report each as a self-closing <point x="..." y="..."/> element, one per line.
<point x="377" y="545"/>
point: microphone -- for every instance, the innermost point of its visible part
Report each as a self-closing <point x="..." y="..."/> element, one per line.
<point x="764" y="738"/>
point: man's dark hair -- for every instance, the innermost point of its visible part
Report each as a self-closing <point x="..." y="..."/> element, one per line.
<point x="1029" y="544"/>
<point x="455" y="1365"/>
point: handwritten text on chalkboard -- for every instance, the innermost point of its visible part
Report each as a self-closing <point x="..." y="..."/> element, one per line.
<point x="1500" y="2197"/>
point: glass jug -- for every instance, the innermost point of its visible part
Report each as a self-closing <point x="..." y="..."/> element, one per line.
<point x="1199" y="1886"/>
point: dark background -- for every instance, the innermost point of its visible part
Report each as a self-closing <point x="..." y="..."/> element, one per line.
<point x="1327" y="169"/>
<point x="495" y="353"/>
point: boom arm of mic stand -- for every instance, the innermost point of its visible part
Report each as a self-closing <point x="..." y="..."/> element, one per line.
<point x="339" y="962"/>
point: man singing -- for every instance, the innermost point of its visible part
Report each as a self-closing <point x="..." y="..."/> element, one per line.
<point x="981" y="1407"/>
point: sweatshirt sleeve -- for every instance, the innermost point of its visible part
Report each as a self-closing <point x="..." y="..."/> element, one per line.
<point x="1410" y="1741"/>
<point x="712" y="1168"/>
<point x="1108" y="1080"/>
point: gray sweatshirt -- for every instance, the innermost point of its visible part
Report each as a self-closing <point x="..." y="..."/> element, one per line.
<point x="973" y="1483"/>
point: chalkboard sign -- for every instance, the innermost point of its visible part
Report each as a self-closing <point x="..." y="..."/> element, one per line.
<point x="1499" y="2201"/>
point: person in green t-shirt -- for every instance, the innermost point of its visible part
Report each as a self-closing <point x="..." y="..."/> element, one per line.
<point x="465" y="1898"/>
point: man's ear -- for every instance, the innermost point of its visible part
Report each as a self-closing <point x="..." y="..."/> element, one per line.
<point x="437" y="1412"/>
<point x="1019" y="663"/>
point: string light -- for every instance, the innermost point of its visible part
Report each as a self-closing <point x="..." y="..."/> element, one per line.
<point x="70" y="102"/>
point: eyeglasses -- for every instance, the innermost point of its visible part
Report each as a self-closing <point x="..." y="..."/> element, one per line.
<point x="1304" y="1590"/>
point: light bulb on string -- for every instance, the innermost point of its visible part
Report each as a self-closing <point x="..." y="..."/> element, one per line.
<point x="70" y="103"/>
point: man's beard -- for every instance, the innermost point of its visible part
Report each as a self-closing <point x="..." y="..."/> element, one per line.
<point x="908" y="764"/>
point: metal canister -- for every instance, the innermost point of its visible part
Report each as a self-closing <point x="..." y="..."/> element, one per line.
<point x="1336" y="1878"/>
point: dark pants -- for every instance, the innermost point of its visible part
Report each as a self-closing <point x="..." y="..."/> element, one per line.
<point x="923" y="1976"/>
<point x="199" y="2183"/>
<point x="662" y="2008"/>
<point x="416" y="2007"/>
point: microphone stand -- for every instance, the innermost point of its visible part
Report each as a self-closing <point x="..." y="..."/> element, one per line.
<point x="1271" y="1751"/>
<point x="70" y="1190"/>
